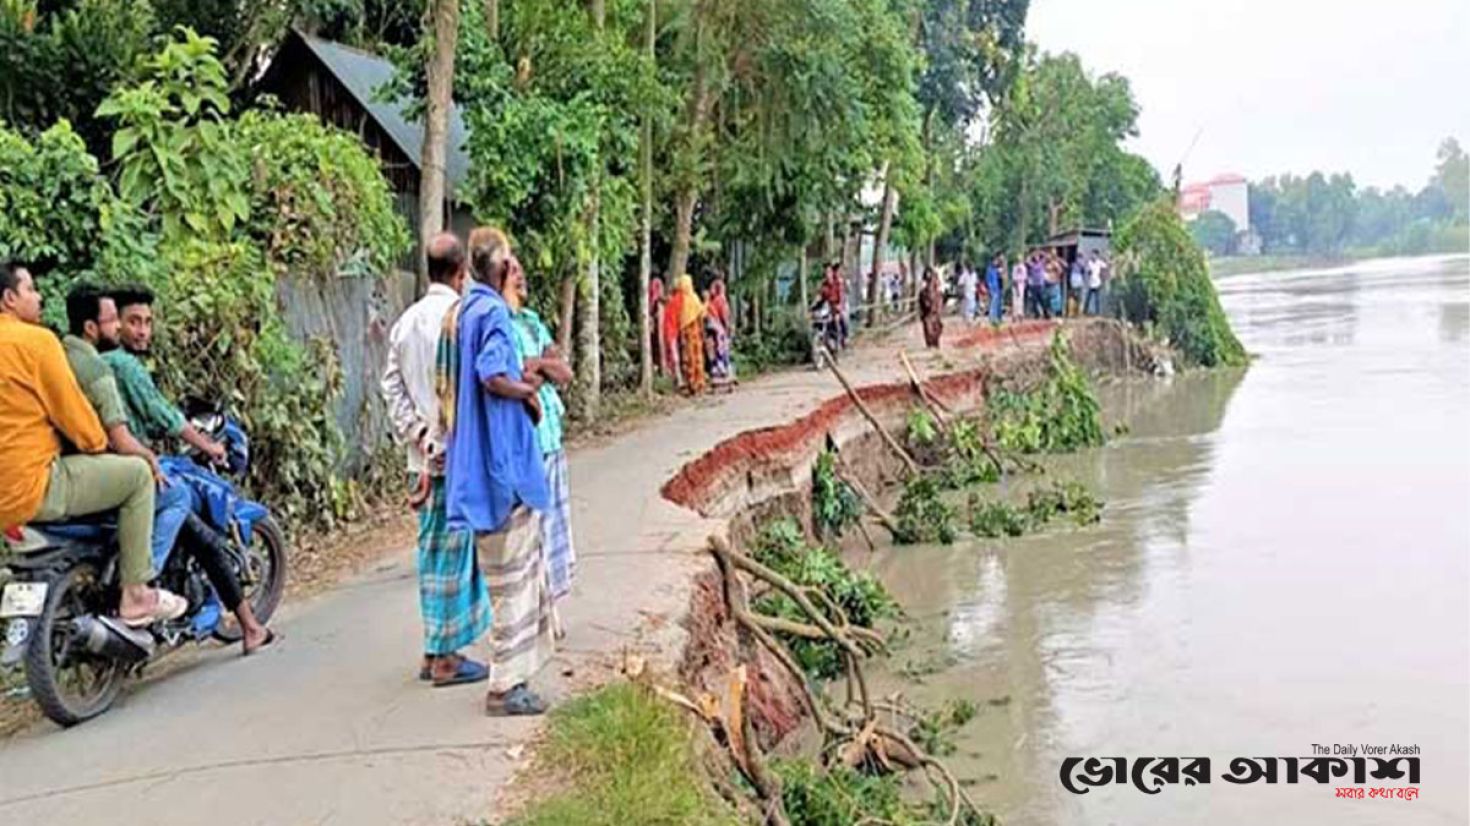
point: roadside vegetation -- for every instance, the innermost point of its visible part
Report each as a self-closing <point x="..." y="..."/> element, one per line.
<point x="624" y="756"/>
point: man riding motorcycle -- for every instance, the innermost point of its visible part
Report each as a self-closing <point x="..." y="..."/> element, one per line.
<point x="93" y="321"/>
<point x="40" y="405"/>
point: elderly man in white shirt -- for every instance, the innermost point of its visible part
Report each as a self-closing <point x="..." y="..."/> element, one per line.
<point x="452" y="595"/>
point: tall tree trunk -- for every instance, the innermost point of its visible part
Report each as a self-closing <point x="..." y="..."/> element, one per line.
<point x="645" y="256"/>
<point x="589" y="338"/>
<point x="801" y="274"/>
<point x="880" y="243"/>
<point x="829" y="241"/>
<point x="440" y="72"/>
<point x="568" y="314"/>
<point x="589" y="314"/>
<point x="492" y="18"/>
<point x="700" y="100"/>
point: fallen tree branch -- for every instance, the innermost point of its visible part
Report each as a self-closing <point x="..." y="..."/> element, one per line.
<point x="857" y="400"/>
<point x="846" y="474"/>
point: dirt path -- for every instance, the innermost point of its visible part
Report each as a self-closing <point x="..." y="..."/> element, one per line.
<point x="333" y="727"/>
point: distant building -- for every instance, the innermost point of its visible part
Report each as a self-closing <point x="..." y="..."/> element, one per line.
<point x="1229" y="194"/>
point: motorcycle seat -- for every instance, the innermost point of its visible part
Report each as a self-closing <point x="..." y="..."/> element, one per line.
<point x="94" y="527"/>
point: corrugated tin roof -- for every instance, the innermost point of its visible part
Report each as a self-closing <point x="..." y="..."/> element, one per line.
<point x="364" y="74"/>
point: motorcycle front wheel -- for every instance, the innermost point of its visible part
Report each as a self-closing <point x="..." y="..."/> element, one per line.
<point x="264" y="580"/>
<point x="68" y="683"/>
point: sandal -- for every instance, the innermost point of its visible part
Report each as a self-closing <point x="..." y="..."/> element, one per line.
<point x="270" y="638"/>
<point x="518" y="702"/>
<point x="166" y="606"/>
<point x="465" y="672"/>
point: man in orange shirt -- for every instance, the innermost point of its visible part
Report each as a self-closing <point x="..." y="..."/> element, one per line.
<point x="40" y="405"/>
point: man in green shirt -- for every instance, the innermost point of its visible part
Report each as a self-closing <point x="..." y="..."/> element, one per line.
<point x="92" y="324"/>
<point x="95" y="325"/>
<point x="150" y="415"/>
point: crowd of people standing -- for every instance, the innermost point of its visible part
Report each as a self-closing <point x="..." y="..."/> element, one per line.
<point x="1043" y="284"/>
<point x="691" y="334"/>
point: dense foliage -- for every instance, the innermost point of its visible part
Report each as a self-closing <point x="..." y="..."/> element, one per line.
<point x="58" y="215"/>
<point x="859" y="595"/>
<point x="1059" y="415"/>
<point x="839" y="796"/>
<point x="1327" y="214"/>
<point x="923" y="516"/>
<point x="835" y="505"/>
<point x="1057" y="161"/>
<point x="1162" y="281"/>
<point x="210" y="212"/>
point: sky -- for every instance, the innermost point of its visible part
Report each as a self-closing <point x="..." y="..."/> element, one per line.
<point x="1271" y="86"/>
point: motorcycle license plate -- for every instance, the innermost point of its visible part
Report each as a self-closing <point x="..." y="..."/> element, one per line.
<point x="22" y="599"/>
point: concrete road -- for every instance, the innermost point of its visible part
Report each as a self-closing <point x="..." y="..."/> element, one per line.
<point x="333" y="727"/>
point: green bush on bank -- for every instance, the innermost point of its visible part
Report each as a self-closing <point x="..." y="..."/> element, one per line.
<point x="1059" y="416"/>
<point x="1163" y="283"/>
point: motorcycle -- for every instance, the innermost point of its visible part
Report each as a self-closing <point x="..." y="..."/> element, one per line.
<point x="59" y="588"/>
<point x="826" y="335"/>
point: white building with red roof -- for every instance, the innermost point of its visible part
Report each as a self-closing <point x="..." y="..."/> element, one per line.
<point x="1229" y="194"/>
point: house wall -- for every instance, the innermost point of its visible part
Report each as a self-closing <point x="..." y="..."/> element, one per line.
<point x="1233" y="199"/>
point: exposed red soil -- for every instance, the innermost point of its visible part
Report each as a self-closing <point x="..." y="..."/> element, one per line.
<point x="704" y="483"/>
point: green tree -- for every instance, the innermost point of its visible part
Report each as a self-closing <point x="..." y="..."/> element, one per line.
<point x="1056" y="160"/>
<point x="1452" y="176"/>
<point x="1214" y="231"/>
<point x="1162" y="283"/>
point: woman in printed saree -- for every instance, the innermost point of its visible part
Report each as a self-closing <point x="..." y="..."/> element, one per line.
<point x="717" y="312"/>
<point x="691" y="335"/>
<point x="656" y="300"/>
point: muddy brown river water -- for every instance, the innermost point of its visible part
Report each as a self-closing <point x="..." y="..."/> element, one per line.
<point x="1282" y="562"/>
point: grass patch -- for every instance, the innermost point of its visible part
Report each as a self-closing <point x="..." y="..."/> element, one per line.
<point x="629" y="758"/>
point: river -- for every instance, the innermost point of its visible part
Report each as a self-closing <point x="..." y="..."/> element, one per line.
<point x="1282" y="561"/>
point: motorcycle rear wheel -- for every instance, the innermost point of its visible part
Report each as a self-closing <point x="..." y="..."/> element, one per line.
<point x="70" y="686"/>
<point x="268" y="564"/>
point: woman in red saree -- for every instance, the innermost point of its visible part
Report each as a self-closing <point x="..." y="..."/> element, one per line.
<point x="669" y="335"/>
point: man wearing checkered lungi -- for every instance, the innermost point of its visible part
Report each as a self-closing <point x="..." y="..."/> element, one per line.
<point x="452" y="596"/>
<point x="496" y="481"/>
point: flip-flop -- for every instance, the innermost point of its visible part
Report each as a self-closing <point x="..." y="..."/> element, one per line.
<point x="270" y="638"/>
<point x="468" y="671"/>
<point x="167" y="606"/>
<point x="518" y="702"/>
